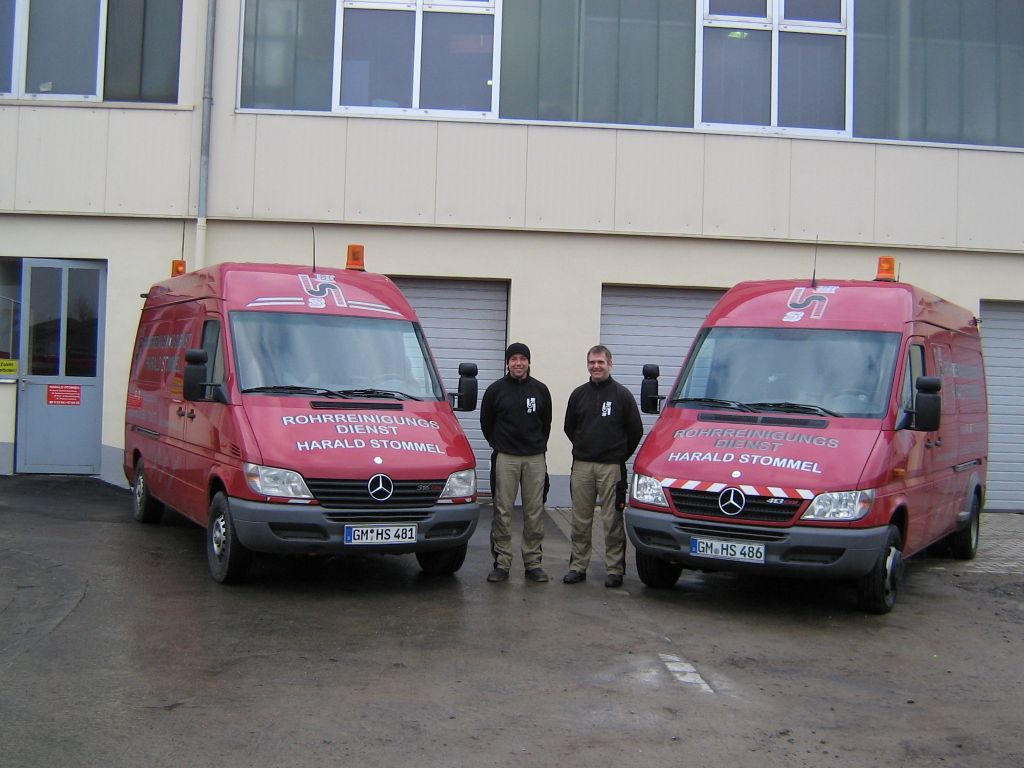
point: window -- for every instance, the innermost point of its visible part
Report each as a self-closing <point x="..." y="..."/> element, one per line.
<point x="214" y="353"/>
<point x="287" y="55"/>
<point x="599" y="61"/>
<point x="852" y="370"/>
<point x="914" y="369"/>
<point x="775" y="64"/>
<point x="283" y="349"/>
<point x="370" y="56"/>
<point x="940" y="70"/>
<point x="118" y="50"/>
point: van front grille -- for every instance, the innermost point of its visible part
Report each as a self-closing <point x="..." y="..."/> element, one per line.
<point x="765" y="509"/>
<point x="355" y="494"/>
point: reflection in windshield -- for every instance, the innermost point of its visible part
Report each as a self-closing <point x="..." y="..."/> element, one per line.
<point x="331" y="352"/>
<point x="848" y="372"/>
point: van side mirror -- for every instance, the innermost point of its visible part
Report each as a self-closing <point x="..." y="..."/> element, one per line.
<point x="927" y="404"/>
<point x="465" y="400"/>
<point x="194" y="386"/>
<point x="650" y="400"/>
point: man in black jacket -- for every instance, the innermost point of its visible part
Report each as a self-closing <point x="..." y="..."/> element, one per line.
<point x="515" y="415"/>
<point x="603" y="424"/>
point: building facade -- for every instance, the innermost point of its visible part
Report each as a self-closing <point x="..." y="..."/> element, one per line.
<point x="557" y="172"/>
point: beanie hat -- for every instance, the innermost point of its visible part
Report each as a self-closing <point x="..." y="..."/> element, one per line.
<point x="517" y="348"/>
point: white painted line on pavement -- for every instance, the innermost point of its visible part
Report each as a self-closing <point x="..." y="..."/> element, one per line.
<point x="684" y="672"/>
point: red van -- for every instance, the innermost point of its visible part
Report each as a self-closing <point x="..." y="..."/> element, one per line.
<point x="296" y="410"/>
<point x="823" y="429"/>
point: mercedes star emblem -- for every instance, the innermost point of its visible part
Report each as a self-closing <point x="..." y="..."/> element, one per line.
<point x="380" y="487"/>
<point x="731" y="501"/>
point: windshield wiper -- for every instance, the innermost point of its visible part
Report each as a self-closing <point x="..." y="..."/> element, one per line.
<point x="786" y="407"/>
<point x="379" y="393"/>
<point x="712" y="402"/>
<point x="293" y="389"/>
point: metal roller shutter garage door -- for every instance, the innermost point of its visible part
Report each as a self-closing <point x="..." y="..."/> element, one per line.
<point x="1002" y="336"/>
<point x="651" y="325"/>
<point x="466" y="321"/>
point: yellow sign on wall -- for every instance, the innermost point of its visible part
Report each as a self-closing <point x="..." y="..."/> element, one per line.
<point x="8" y="367"/>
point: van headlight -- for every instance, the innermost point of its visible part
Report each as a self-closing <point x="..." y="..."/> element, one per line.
<point x="841" y="505"/>
<point x="647" y="490"/>
<point x="460" y="485"/>
<point x="271" y="481"/>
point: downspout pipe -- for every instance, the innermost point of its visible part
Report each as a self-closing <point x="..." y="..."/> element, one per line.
<point x="204" y="150"/>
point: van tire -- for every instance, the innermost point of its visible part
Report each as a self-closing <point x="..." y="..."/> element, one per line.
<point x="145" y="509"/>
<point x="877" y="590"/>
<point x="228" y="559"/>
<point x="963" y="544"/>
<point x="657" y="573"/>
<point x="442" y="562"/>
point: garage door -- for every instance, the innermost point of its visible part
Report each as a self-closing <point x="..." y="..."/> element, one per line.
<point x="465" y="322"/>
<point x="651" y="325"/>
<point x="1002" y="335"/>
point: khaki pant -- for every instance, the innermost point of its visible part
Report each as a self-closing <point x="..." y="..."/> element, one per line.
<point x="588" y="483"/>
<point x="512" y="475"/>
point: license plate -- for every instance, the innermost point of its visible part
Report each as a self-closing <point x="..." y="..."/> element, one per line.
<point x="721" y="549"/>
<point x="380" y="534"/>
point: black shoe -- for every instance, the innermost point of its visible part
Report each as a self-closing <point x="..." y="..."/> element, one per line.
<point x="574" y="577"/>
<point x="613" y="580"/>
<point x="536" y="574"/>
<point x="498" y="574"/>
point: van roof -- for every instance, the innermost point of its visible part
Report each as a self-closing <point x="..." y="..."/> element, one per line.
<point x="836" y="304"/>
<point x="287" y="288"/>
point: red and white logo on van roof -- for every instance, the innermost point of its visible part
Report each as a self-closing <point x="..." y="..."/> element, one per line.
<point x="321" y="291"/>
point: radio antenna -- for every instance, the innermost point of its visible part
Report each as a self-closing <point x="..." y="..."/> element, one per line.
<point x="814" y="267"/>
<point x="313" y="227"/>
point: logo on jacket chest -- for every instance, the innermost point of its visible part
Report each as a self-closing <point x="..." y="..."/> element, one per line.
<point x="531" y="405"/>
<point x="606" y="408"/>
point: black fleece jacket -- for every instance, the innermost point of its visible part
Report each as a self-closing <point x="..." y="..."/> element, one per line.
<point x="515" y="416"/>
<point x="603" y="422"/>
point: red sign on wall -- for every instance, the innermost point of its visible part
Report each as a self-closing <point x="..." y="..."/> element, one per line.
<point x="63" y="394"/>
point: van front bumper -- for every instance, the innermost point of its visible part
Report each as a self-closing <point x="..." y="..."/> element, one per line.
<point x="301" y="529"/>
<point x="806" y="551"/>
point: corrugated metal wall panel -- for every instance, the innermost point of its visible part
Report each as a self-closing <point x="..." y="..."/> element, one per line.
<point x="466" y="321"/>
<point x="1002" y="336"/>
<point x="651" y="325"/>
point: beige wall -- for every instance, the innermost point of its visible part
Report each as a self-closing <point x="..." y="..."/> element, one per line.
<point x="555" y="278"/>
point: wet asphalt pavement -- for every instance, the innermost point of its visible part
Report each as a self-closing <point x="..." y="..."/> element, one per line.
<point x="117" y="649"/>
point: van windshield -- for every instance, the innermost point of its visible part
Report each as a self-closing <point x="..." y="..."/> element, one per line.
<point x="844" y="373"/>
<point x="354" y="356"/>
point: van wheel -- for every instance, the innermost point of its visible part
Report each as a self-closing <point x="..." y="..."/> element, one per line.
<point x="228" y="559"/>
<point x="441" y="562"/>
<point x="877" y="590"/>
<point x="964" y="543"/>
<point x="657" y="573"/>
<point x="145" y="508"/>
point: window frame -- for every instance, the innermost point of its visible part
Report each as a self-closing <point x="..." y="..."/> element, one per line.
<point x="19" y="59"/>
<point x="490" y="8"/>
<point x="776" y="24"/>
<point x="105" y="47"/>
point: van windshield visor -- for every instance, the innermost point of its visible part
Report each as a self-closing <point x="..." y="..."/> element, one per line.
<point x="332" y="356"/>
<point x="791" y="370"/>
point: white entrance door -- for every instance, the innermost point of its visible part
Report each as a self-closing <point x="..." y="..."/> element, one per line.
<point x="60" y="386"/>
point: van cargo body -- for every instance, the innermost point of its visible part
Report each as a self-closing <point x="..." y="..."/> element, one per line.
<point x="816" y="429"/>
<point x="296" y="411"/>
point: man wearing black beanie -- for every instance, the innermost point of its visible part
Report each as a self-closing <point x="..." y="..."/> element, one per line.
<point x="515" y="416"/>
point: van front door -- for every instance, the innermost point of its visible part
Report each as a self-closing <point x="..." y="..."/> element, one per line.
<point x="60" y="381"/>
